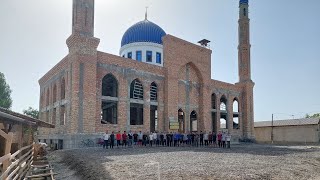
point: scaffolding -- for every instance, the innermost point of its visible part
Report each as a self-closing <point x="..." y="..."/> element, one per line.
<point x="153" y="92"/>
<point x="137" y="91"/>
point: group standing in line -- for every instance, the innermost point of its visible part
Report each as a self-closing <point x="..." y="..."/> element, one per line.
<point x="169" y="139"/>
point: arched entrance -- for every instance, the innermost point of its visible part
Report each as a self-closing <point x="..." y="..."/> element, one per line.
<point x="153" y="108"/>
<point x="181" y="121"/>
<point x="223" y="113"/>
<point x="236" y="123"/>
<point x="109" y="104"/>
<point x="193" y="122"/>
<point x="214" y="112"/>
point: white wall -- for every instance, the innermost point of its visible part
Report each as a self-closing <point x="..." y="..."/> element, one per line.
<point x="306" y="133"/>
<point x="143" y="47"/>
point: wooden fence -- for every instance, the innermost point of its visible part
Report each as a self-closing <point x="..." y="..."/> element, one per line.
<point x="15" y="166"/>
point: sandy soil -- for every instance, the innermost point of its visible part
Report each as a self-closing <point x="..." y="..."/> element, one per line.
<point x="245" y="161"/>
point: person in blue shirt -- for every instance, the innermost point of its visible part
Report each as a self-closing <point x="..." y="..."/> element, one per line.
<point x="175" y="139"/>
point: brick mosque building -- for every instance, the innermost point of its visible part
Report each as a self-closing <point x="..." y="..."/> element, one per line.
<point x="158" y="83"/>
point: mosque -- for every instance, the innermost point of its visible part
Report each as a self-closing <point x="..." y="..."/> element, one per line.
<point x="158" y="82"/>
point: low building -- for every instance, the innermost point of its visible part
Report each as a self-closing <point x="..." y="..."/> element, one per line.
<point x="16" y="143"/>
<point x="288" y="131"/>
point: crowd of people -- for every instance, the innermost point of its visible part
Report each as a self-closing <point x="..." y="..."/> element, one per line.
<point x="171" y="139"/>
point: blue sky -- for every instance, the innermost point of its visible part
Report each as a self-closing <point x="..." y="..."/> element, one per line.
<point x="285" y="52"/>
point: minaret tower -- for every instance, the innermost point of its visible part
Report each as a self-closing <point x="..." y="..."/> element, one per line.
<point x="245" y="82"/>
<point x="244" y="42"/>
<point x="83" y="17"/>
<point x="82" y="60"/>
<point x="82" y="37"/>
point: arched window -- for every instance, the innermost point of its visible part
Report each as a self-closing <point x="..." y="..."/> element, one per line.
<point x="235" y="105"/>
<point x="48" y="98"/>
<point x="223" y="113"/>
<point x="109" y="106"/>
<point x="54" y="94"/>
<point x="136" y="109"/>
<point x="63" y="88"/>
<point x="181" y="120"/>
<point x="235" y="114"/>
<point x="54" y="116"/>
<point x="223" y="103"/>
<point x="153" y="92"/>
<point x="213" y="101"/>
<point x="62" y="115"/>
<point x="193" y="121"/>
<point x="245" y="12"/>
<point x="109" y="86"/>
<point x="42" y="103"/>
<point x="136" y="90"/>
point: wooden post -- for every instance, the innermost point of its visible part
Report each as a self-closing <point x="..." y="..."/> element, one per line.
<point x="7" y="150"/>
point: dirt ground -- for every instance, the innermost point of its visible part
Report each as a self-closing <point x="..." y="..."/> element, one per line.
<point x="244" y="161"/>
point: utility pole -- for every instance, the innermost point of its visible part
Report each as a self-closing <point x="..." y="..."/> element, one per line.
<point x="272" y="130"/>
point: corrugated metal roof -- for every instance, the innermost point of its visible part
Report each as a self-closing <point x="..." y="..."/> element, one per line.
<point x="290" y="122"/>
<point x="24" y="119"/>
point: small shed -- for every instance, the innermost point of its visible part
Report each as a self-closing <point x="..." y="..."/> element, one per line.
<point x="16" y="143"/>
<point x="306" y="130"/>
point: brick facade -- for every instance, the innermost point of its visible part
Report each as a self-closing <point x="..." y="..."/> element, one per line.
<point x="184" y="82"/>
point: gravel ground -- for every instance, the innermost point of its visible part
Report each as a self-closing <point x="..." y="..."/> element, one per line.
<point x="244" y="161"/>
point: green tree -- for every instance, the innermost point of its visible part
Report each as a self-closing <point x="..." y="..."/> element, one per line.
<point x="31" y="112"/>
<point x="5" y="93"/>
<point x="316" y="115"/>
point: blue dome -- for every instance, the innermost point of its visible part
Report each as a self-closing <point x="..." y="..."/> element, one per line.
<point x="143" y="31"/>
<point x="244" y="1"/>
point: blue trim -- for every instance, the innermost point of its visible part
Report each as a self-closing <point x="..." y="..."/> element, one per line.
<point x="158" y="58"/>
<point x="244" y="1"/>
<point x="139" y="56"/>
<point x="143" y="31"/>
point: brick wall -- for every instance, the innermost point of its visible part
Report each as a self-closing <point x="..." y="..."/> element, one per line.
<point x="183" y="83"/>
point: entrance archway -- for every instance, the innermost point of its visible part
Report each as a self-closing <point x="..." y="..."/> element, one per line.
<point x="181" y="121"/>
<point x="223" y="113"/>
<point x="193" y="122"/>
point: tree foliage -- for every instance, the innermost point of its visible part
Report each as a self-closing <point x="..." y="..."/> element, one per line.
<point x="31" y="112"/>
<point x="317" y="115"/>
<point x="5" y="93"/>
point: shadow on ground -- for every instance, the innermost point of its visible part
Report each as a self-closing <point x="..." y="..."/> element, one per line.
<point x="253" y="149"/>
<point x="84" y="168"/>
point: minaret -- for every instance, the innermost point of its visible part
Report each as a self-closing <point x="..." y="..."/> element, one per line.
<point x="244" y="42"/>
<point x="245" y="82"/>
<point x="83" y="17"/>
<point x="82" y="60"/>
<point x="82" y="39"/>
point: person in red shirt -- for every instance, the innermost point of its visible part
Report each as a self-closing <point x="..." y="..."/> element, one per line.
<point x="219" y="139"/>
<point x="124" y="138"/>
<point x="118" y="138"/>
